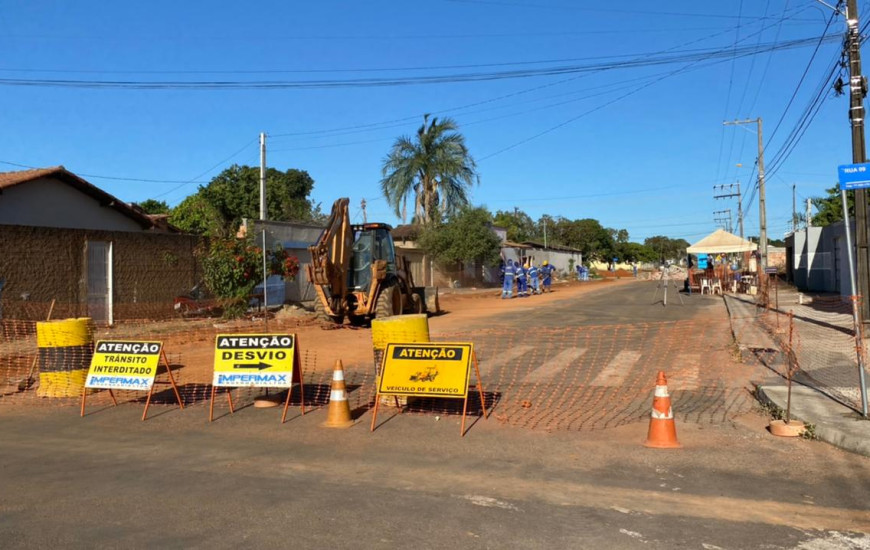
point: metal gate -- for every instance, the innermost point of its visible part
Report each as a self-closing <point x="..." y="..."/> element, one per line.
<point x="99" y="254"/>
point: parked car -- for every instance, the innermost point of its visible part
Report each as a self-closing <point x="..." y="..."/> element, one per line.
<point x="197" y="303"/>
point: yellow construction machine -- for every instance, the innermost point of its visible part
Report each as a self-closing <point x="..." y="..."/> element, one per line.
<point x="356" y="274"/>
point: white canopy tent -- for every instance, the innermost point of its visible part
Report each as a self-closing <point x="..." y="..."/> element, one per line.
<point x="721" y="242"/>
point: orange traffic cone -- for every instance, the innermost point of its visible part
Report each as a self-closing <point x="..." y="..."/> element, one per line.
<point x="662" y="430"/>
<point x="338" y="414"/>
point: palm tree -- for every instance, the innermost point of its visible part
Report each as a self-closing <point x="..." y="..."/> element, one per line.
<point x="436" y="168"/>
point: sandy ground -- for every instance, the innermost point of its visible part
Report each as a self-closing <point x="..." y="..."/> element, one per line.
<point x="353" y="345"/>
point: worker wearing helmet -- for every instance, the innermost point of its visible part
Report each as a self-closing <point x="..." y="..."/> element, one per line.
<point x="508" y="271"/>
<point x="535" y="287"/>
<point x="522" y="281"/>
<point x="546" y="275"/>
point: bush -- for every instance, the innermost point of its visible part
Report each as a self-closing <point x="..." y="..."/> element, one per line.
<point x="233" y="267"/>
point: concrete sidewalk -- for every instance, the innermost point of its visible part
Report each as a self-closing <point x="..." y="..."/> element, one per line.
<point x="834" y="422"/>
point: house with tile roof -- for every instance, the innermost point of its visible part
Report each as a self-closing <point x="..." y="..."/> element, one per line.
<point x="64" y="239"/>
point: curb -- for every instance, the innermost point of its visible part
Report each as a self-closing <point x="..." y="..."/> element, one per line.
<point x="832" y="420"/>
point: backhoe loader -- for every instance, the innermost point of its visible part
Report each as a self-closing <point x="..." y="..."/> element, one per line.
<point x="356" y="274"/>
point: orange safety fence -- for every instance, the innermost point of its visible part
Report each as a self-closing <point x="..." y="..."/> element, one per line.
<point x="822" y="342"/>
<point x="573" y="378"/>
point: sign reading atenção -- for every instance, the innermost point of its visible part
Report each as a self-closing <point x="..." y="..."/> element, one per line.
<point x="124" y="365"/>
<point x="429" y="370"/>
<point x="255" y="360"/>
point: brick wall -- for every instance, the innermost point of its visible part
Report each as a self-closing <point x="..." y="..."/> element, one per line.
<point x="149" y="270"/>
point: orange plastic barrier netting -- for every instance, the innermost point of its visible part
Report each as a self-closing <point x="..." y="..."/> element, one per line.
<point x="819" y="339"/>
<point x="576" y="378"/>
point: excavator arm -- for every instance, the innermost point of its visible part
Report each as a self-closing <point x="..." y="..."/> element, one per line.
<point x="330" y="260"/>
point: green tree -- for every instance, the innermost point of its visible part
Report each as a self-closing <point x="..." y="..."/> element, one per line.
<point x="196" y="215"/>
<point x="586" y="235"/>
<point x="218" y="208"/>
<point x="770" y="241"/>
<point x="666" y="248"/>
<point x="830" y="207"/>
<point x="519" y="225"/>
<point x="636" y="252"/>
<point x="466" y="237"/>
<point x="435" y="167"/>
<point x="153" y="206"/>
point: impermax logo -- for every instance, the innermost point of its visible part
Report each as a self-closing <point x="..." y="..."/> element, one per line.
<point x="246" y="379"/>
<point x="118" y="381"/>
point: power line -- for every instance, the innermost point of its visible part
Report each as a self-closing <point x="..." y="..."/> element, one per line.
<point x="601" y="10"/>
<point x="688" y="56"/>
<point x="803" y="76"/>
<point x="617" y="99"/>
<point x="245" y="146"/>
<point x="183" y="183"/>
<point x="398" y="122"/>
<point x="97" y="176"/>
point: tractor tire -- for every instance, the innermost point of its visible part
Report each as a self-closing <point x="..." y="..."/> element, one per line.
<point x="416" y="303"/>
<point x="389" y="302"/>
<point x="324" y="317"/>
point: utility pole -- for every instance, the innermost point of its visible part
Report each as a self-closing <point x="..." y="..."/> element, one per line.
<point x="263" y="176"/>
<point x="263" y="217"/>
<point x="723" y="194"/>
<point x="762" y="201"/>
<point x="723" y="217"/>
<point x="362" y="205"/>
<point x="809" y="213"/>
<point x="762" y="206"/>
<point x="545" y="232"/>
<point x="857" y="91"/>
<point x="794" y="219"/>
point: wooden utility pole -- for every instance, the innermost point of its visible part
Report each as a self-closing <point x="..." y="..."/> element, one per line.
<point x="762" y="197"/>
<point x="794" y="218"/>
<point x="262" y="175"/>
<point x="857" y="91"/>
<point x="762" y="201"/>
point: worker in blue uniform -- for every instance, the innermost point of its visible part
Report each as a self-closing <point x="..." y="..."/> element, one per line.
<point x="535" y="287"/>
<point x="546" y="275"/>
<point x="522" y="282"/>
<point x="508" y="271"/>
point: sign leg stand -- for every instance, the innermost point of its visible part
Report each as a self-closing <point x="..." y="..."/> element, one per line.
<point x="148" y="400"/>
<point x="298" y="369"/>
<point x="297" y="376"/>
<point x="287" y="402"/>
<point x="172" y="381"/>
<point x="464" y="410"/>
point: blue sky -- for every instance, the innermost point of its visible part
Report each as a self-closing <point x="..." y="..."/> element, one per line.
<point x="638" y="147"/>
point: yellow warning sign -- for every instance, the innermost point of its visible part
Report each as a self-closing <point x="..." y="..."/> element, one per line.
<point x="258" y="360"/>
<point x="124" y="365"/>
<point x="431" y="370"/>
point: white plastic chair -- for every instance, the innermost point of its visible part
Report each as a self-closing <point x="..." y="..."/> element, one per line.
<point x="716" y="288"/>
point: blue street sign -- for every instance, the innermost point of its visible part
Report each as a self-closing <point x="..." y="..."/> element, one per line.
<point x="854" y="176"/>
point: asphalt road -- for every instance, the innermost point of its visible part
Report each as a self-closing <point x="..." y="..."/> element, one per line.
<point x="109" y="480"/>
<point x="613" y="303"/>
